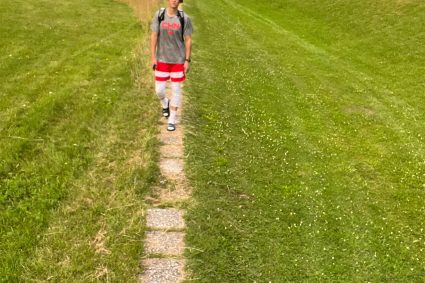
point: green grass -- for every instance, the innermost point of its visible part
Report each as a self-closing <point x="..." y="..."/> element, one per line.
<point x="305" y="141"/>
<point x="77" y="141"/>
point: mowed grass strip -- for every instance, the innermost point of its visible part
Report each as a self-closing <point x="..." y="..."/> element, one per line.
<point x="77" y="141"/>
<point x="305" y="143"/>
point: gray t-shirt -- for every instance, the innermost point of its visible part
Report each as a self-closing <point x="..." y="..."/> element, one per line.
<point x="170" y="47"/>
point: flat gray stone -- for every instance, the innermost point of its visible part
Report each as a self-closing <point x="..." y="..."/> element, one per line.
<point x="172" y="167"/>
<point x="169" y="139"/>
<point x="163" y="270"/>
<point x="165" y="218"/>
<point x="165" y="243"/>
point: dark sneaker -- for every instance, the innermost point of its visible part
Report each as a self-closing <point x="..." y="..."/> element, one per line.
<point x="166" y="111"/>
<point x="171" y="127"/>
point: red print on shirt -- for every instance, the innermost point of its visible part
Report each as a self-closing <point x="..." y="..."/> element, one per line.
<point x="170" y="27"/>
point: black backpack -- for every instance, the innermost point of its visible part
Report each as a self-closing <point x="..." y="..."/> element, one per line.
<point x="180" y="15"/>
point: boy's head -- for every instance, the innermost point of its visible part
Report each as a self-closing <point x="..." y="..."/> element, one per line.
<point x="174" y="3"/>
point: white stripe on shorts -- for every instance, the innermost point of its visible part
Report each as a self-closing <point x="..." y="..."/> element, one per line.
<point x="177" y="75"/>
<point x="160" y="74"/>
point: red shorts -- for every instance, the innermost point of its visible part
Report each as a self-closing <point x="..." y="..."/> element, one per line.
<point x="165" y="71"/>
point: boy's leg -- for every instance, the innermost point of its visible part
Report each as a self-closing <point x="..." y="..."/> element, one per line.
<point x="160" y="89"/>
<point x="162" y="75"/>
<point x="177" y="76"/>
<point x="175" y="101"/>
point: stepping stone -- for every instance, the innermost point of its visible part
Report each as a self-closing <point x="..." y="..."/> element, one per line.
<point x="163" y="270"/>
<point x="171" y="151"/>
<point x="173" y="138"/>
<point x="171" y="167"/>
<point x="165" y="218"/>
<point x="165" y="243"/>
<point x="169" y="139"/>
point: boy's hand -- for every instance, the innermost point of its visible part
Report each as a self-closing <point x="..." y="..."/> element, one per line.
<point x="186" y="67"/>
<point x="153" y="60"/>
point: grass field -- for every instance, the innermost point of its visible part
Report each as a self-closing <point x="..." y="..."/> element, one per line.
<point x="305" y="141"/>
<point x="77" y="141"/>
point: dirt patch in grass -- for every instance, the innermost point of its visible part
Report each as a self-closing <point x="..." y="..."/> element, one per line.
<point x="142" y="8"/>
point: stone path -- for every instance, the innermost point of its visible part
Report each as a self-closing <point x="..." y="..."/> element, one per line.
<point x="164" y="240"/>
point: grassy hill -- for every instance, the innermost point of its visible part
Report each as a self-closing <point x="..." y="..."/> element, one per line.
<point x="77" y="141"/>
<point x="306" y="141"/>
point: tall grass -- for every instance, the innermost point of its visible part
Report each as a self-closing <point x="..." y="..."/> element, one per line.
<point x="143" y="8"/>
<point x="77" y="141"/>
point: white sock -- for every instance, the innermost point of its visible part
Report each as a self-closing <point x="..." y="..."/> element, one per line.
<point x="164" y="102"/>
<point x="172" y="118"/>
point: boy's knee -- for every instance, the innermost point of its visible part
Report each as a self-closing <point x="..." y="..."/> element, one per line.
<point x="160" y="89"/>
<point x="176" y="92"/>
<point x="175" y="87"/>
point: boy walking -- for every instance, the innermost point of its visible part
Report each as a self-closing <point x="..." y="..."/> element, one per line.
<point x="171" y="44"/>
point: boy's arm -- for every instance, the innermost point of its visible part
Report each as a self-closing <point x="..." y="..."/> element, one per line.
<point x="154" y="41"/>
<point x="188" y="44"/>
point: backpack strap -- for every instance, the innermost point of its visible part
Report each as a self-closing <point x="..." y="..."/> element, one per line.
<point x="161" y="16"/>
<point x="180" y="15"/>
